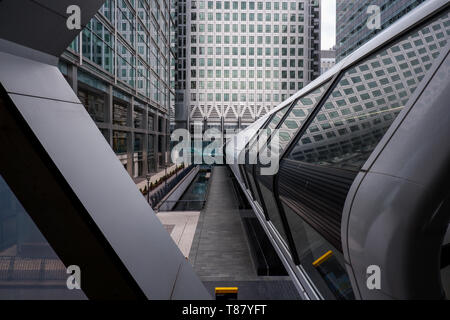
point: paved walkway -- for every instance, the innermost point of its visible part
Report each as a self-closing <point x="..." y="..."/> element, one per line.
<point x="220" y="252"/>
<point x="181" y="227"/>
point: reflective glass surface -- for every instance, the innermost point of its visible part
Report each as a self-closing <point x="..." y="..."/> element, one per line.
<point x="323" y="263"/>
<point x="94" y="104"/>
<point x="120" y="142"/>
<point x="29" y="268"/>
<point x="252" y="152"/>
<point x="298" y="114"/>
<point x="120" y="114"/>
<point x="138" y="117"/>
<point x="368" y="98"/>
<point x="292" y="123"/>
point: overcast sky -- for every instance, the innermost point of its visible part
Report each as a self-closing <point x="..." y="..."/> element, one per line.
<point x="328" y="21"/>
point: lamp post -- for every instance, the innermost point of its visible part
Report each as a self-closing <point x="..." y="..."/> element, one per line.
<point x="148" y="176"/>
<point x="165" y="180"/>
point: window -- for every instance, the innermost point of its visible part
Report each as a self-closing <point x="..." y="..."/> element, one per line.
<point x="138" y="117"/>
<point x="120" y="114"/>
<point x="120" y="142"/>
<point x="94" y="104"/>
<point x="151" y="123"/>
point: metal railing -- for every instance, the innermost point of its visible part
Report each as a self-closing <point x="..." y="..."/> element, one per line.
<point x="31" y="269"/>
<point x="168" y="186"/>
<point x="182" y="205"/>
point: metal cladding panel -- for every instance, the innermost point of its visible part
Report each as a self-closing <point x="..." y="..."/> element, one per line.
<point x="26" y="77"/>
<point x="186" y="287"/>
<point x="391" y="226"/>
<point x="97" y="178"/>
<point x="41" y="24"/>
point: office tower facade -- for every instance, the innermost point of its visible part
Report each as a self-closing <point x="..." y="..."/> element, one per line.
<point x="120" y="66"/>
<point x="173" y="60"/>
<point x="352" y="17"/>
<point x="327" y="60"/>
<point x="239" y="59"/>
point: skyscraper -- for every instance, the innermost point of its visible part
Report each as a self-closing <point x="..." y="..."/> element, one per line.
<point x="352" y="17"/>
<point x="327" y="60"/>
<point x="239" y="59"/>
<point x="119" y="66"/>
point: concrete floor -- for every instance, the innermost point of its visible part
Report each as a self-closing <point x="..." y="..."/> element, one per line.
<point x="181" y="227"/>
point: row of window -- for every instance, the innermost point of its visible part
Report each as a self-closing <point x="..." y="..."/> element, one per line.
<point x="293" y="41"/>
<point x="251" y="62"/>
<point x="95" y="104"/>
<point x="251" y="73"/>
<point x="247" y="28"/>
<point x="235" y="97"/>
<point x="97" y="47"/>
<point x="250" y="5"/>
<point x="242" y="73"/>
<point x="120" y="143"/>
<point x="243" y="85"/>
<point x="209" y="16"/>
<point x="143" y="12"/>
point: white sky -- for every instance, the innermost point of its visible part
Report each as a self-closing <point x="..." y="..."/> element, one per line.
<point x="328" y="24"/>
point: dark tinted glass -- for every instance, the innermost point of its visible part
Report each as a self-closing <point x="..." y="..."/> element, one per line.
<point x="120" y="114"/>
<point x="120" y="142"/>
<point x="29" y="268"/>
<point x="292" y="123"/>
<point x="94" y="104"/>
<point x="323" y="263"/>
<point x="138" y="117"/>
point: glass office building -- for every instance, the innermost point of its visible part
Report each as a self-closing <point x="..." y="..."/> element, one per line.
<point x="352" y="17"/>
<point x="120" y="67"/>
<point x="240" y="59"/>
